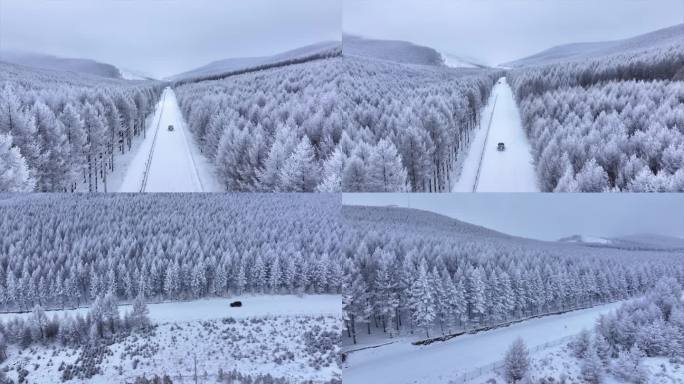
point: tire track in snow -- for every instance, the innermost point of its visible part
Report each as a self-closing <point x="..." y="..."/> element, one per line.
<point x="484" y="146"/>
<point x="154" y="142"/>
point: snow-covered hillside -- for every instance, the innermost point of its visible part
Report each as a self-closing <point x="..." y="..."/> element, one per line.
<point x="239" y="64"/>
<point x="390" y="50"/>
<point x="129" y="74"/>
<point x="643" y="241"/>
<point x="455" y="61"/>
<point x="37" y="60"/>
<point x="578" y="51"/>
<point x="584" y="239"/>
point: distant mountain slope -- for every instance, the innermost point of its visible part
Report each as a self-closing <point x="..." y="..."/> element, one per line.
<point x="647" y="240"/>
<point x="583" y="50"/>
<point x="37" y="60"/>
<point x="129" y="74"/>
<point x="418" y="219"/>
<point x="581" y="239"/>
<point x="631" y="242"/>
<point x="390" y="50"/>
<point x="228" y="66"/>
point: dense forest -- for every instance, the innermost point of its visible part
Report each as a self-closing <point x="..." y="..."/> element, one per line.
<point x="66" y="250"/>
<point x="409" y="271"/>
<point x="608" y="122"/>
<point x="62" y="131"/>
<point x="340" y="124"/>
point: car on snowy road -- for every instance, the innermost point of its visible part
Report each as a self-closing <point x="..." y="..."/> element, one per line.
<point x="170" y="128"/>
<point x="500" y="147"/>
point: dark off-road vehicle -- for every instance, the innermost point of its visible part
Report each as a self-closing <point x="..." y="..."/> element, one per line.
<point x="500" y="147"/>
<point x="236" y="304"/>
<point x="170" y="128"/>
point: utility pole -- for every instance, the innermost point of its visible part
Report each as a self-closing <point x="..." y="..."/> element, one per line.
<point x="195" y="375"/>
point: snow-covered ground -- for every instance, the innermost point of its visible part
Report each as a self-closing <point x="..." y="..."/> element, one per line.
<point x="218" y="308"/>
<point x="557" y="361"/>
<point x="485" y="169"/>
<point x="175" y="162"/>
<point x="129" y="74"/>
<point x="442" y="362"/>
<point x="282" y="335"/>
<point x="122" y="162"/>
<point x="456" y="62"/>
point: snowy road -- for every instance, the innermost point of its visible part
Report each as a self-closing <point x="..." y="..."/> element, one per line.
<point x="169" y="161"/>
<point x="219" y="308"/>
<point x="403" y="363"/>
<point x="486" y="169"/>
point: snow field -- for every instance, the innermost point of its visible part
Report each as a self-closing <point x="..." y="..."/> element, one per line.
<point x="290" y="337"/>
<point x="486" y="169"/>
<point x="557" y="361"/>
<point x="444" y="362"/>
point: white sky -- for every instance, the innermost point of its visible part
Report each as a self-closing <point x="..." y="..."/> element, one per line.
<point x="166" y="37"/>
<point x="548" y="216"/>
<point x="499" y="31"/>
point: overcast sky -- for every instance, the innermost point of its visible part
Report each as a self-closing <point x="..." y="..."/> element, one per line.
<point x="549" y="216"/>
<point x="499" y="31"/>
<point x="165" y="37"/>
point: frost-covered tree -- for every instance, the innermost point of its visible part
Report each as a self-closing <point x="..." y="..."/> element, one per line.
<point x="139" y="313"/>
<point x="300" y="170"/>
<point x="385" y="171"/>
<point x="516" y="362"/>
<point x="421" y="301"/>
<point x="592" y="368"/>
<point x="14" y="173"/>
<point x="581" y="346"/>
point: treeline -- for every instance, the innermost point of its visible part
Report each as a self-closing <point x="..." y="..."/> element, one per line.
<point x="322" y="54"/>
<point x="65" y="250"/>
<point x="646" y="62"/>
<point x="607" y="123"/>
<point x="341" y="124"/>
<point x="410" y="270"/>
<point x="61" y="131"/>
